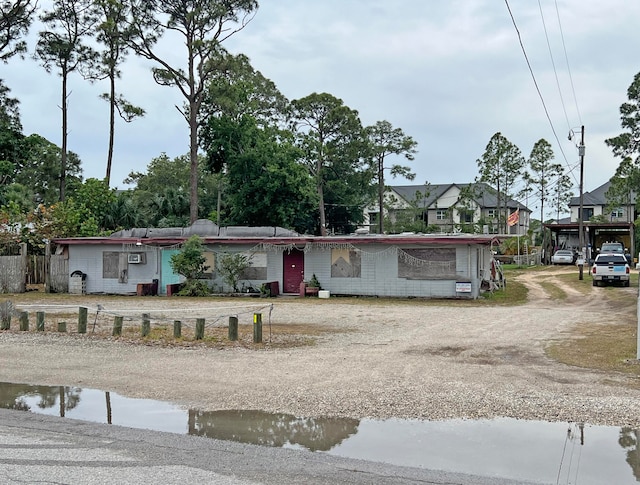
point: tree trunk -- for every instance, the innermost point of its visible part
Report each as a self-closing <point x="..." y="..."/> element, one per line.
<point x="112" y="122"/>
<point x="193" y="155"/>
<point x="63" y="154"/>
<point x="380" y="195"/>
<point x="323" y="217"/>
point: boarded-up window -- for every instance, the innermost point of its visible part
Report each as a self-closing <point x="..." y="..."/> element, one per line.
<point x="258" y="267"/>
<point x="210" y="264"/>
<point x="427" y="263"/>
<point x="110" y="265"/>
<point x="345" y="263"/>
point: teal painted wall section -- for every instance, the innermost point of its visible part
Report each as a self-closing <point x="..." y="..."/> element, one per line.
<point x="168" y="276"/>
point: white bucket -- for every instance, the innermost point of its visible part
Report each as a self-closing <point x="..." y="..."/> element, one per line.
<point x="323" y="294"/>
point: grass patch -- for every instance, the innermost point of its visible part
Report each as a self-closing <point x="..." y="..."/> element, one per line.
<point x="553" y="290"/>
<point x="583" y="285"/>
<point x="514" y="293"/>
<point x="606" y="347"/>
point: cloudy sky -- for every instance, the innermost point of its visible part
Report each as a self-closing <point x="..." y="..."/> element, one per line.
<point x="449" y="73"/>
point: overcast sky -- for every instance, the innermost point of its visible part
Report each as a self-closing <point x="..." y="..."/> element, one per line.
<point x="449" y="73"/>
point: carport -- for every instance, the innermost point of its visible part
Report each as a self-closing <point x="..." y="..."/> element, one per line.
<point x="567" y="236"/>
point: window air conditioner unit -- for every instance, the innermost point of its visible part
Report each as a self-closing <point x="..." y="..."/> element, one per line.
<point x="134" y="258"/>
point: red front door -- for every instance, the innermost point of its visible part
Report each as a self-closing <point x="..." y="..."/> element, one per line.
<point x="293" y="271"/>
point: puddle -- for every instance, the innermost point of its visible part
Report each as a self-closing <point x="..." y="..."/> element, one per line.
<point x="561" y="453"/>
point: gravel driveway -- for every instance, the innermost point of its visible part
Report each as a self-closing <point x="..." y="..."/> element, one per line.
<point x="393" y="359"/>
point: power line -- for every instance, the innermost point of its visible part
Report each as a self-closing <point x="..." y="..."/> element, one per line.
<point x="535" y="82"/>
<point x="575" y="100"/>
<point x="553" y="64"/>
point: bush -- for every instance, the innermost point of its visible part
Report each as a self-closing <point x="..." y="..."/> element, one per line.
<point x="231" y="267"/>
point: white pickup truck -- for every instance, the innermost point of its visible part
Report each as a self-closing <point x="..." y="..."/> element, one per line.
<point x="610" y="268"/>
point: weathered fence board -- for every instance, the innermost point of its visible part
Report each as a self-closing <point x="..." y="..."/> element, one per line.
<point x="59" y="274"/>
<point x="12" y="274"/>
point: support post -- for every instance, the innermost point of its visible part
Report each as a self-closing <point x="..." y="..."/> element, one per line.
<point x="233" y="329"/>
<point x="199" y="328"/>
<point x="82" y="320"/>
<point x="581" y="215"/>
<point x="40" y="321"/>
<point x="177" y="329"/>
<point x="62" y="327"/>
<point x="6" y="318"/>
<point x="146" y="324"/>
<point x="24" y="321"/>
<point x="117" y="326"/>
<point x="257" y="328"/>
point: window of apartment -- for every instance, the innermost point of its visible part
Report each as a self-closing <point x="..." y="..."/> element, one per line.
<point x="466" y="217"/>
<point x="492" y="213"/>
<point x="617" y="213"/>
<point x="441" y="215"/>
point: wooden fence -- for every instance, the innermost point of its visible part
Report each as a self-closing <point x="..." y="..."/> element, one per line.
<point x="12" y="274"/>
<point x="16" y="272"/>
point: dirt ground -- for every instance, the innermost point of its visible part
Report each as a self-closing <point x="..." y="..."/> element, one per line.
<point x="347" y="357"/>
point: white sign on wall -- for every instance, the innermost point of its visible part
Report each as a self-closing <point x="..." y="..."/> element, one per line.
<point x="462" y="287"/>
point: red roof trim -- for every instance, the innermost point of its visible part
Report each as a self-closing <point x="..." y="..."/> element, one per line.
<point x="355" y="240"/>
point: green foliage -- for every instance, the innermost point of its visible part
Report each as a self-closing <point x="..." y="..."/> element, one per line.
<point x="231" y="266"/>
<point x="195" y="288"/>
<point x="97" y="197"/>
<point x="189" y="262"/>
<point x="62" y="46"/>
<point x="626" y="146"/>
<point x="337" y="154"/>
<point x="386" y="141"/>
<point x="112" y="33"/>
<point x="14" y="25"/>
<point x="313" y="282"/>
<point x="264" y="184"/>
<point x="500" y="166"/>
<point x="203" y="27"/>
<point x="162" y="193"/>
<point x="545" y="177"/>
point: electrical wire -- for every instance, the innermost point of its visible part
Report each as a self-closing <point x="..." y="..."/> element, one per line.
<point x="566" y="57"/>
<point x="553" y="64"/>
<point x="535" y="82"/>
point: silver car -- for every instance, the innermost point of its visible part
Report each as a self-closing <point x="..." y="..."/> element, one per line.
<point x="563" y="256"/>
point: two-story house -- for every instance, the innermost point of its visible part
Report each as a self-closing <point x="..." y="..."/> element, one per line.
<point x="448" y="208"/>
<point x="602" y="221"/>
<point x="595" y="204"/>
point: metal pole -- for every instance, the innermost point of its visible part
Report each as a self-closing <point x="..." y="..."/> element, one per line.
<point x="581" y="215"/>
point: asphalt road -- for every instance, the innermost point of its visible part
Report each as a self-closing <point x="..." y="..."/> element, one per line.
<point x="51" y="450"/>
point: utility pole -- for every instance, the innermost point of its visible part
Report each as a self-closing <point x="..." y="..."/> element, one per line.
<point x="581" y="215"/>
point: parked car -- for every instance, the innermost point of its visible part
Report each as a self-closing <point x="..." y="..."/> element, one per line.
<point x="616" y="248"/>
<point x="563" y="256"/>
<point x="610" y="268"/>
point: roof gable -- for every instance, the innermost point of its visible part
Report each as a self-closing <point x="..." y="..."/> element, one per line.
<point x="483" y="195"/>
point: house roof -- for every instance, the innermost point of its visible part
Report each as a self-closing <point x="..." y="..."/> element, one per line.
<point x="598" y="196"/>
<point x="294" y="241"/>
<point x="485" y="195"/>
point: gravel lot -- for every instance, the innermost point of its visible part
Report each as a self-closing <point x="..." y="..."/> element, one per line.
<point x="392" y="359"/>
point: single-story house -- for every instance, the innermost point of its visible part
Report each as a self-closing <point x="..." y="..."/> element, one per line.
<point x="403" y="265"/>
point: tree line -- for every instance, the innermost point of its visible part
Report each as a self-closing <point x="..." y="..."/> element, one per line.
<point x="255" y="157"/>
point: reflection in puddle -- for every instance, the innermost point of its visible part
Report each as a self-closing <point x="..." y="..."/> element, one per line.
<point x="521" y="450"/>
